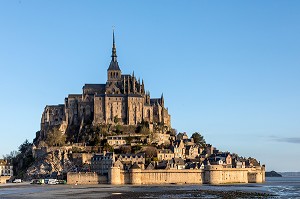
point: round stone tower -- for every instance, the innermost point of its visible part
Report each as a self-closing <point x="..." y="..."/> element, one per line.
<point x="114" y="175"/>
<point x="135" y="174"/>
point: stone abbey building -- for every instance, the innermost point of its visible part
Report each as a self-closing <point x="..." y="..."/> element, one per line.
<point x="121" y="100"/>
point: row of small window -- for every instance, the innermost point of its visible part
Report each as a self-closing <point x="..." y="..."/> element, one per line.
<point x="103" y="167"/>
<point x="102" y="158"/>
<point x="101" y="162"/>
<point x="120" y="99"/>
<point x="6" y="167"/>
<point x="117" y="142"/>
<point x="5" y="171"/>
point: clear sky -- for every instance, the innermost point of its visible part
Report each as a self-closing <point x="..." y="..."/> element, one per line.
<point x="228" y="69"/>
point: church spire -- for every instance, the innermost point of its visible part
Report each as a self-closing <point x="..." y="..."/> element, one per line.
<point x="114" y="63"/>
<point x="113" y="71"/>
<point x="114" y="50"/>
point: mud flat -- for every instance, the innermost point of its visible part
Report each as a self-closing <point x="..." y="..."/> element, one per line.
<point x="129" y="191"/>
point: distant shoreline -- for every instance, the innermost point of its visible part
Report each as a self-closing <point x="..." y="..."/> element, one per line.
<point x="290" y="174"/>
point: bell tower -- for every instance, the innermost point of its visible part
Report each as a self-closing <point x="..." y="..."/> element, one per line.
<point x="113" y="71"/>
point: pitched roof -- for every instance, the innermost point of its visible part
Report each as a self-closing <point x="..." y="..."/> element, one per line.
<point x="113" y="65"/>
<point x="150" y="167"/>
<point x="135" y="166"/>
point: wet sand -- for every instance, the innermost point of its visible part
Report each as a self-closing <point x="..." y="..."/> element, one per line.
<point x="26" y="190"/>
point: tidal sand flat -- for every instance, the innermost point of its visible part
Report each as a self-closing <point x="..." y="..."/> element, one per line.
<point x="128" y="191"/>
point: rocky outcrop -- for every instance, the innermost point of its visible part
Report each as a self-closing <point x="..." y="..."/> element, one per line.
<point x="272" y="174"/>
<point x="56" y="160"/>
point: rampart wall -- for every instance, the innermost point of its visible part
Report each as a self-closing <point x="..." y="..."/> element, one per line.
<point x="209" y="175"/>
<point x="85" y="178"/>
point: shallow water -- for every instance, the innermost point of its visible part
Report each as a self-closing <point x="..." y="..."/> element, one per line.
<point x="285" y="187"/>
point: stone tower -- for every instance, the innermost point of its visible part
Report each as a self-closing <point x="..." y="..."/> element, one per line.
<point x="113" y="71"/>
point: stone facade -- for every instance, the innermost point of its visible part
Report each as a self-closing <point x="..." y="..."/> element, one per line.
<point x="102" y="162"/>
<point x="121" y="100"/>
<point x="85" y="178"/>
<point x="6" y="168"/>
<point x="165" y="154"/>
<point x="79" y="159"/>
<point x="209" y="175"/>
<point x="4" y="179"/>
<point x="116" y="141"/>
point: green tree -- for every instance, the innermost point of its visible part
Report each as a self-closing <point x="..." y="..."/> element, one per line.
<point x="179" y="136"/>
<point x="56" y="138"/>
<point x="11" y="155"/>
<point x="128" y="139"/>
<point x="108" y="148"/>
<point x="24" y="147"/>
<point x="198" y="139"/>
<point x="125" y="149"/>
<point x="145" y="130"/>
<point x="150" y="151"/>
<point x="135" y="149"/>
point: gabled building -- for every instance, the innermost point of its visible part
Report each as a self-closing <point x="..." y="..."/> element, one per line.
<point x="127" y="160"/>
<point x="116" y="141"/>
<point x="6" y="168"/>
<point x="176" y="163"/>
<point x="178" y="149"/>
<point x="192" y="151"/>
<point x="165" y="154"/>
<point x="101" y="163"/>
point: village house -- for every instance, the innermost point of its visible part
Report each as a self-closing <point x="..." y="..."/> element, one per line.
<point x="125" y="161"/>
<point x="178" y="149"/>
<point x="100" y="163"/>
<point x="6" y="168"/>
<point x="192" y="151"/>
<point x="176" y="163"/>
<point x="209" y="149"/>
<point x="116" y="141"/>
<point x="165" y="154"/>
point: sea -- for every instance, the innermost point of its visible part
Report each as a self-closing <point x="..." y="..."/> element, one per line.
<point x="281" y="187"/>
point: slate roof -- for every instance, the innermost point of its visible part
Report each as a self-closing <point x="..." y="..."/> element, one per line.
<point x="135" y="166"/>
<point x="113" y="65"/>
<point x="155" y="101"/>
<point x="150" y="167"/>
<point x="95" y="86"/>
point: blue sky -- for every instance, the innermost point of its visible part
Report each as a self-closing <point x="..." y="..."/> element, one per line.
<point x="228" y="69"/>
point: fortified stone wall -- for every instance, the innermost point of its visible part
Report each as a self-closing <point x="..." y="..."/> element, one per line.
<point x="85" y="178"/>
<point x="172" y="176"/>
<point x="3" y="179"/>
<point x="209" y="175"/>
<point x="256" y="175"/>
<point x="219" y="175"/>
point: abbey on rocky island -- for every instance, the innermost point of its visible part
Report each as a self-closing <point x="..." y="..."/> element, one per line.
<point x="121" y="100"/>
<point x="115" y="133"/>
